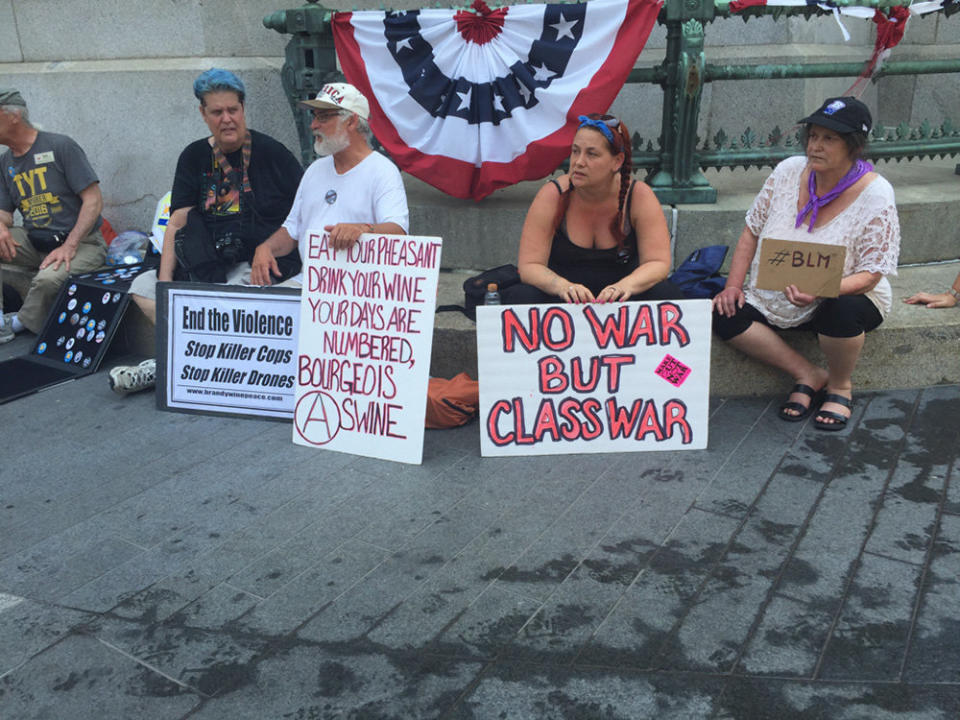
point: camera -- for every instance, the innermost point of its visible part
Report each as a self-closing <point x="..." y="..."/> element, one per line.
<point x="230" y="248"/>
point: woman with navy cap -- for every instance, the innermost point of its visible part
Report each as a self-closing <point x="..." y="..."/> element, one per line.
<point x="830" y="195"/>
<point x="594" y="234"/>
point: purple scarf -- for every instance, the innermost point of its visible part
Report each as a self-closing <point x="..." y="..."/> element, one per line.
<point x="859" y="169"/>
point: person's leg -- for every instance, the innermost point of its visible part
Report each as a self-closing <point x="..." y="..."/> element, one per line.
<point x="126" y="379"/>
<point x="842" y="355"/>
<point x="748" y="332"/>
<point x="29" y="258"/>
<point x="762" y="343"/>
<point x="841" y="324"/>
<point x="143" y="292"/>
<point x="47" y="282"/>
<point x="523" y="294"/>
<point x="663" y="290"/>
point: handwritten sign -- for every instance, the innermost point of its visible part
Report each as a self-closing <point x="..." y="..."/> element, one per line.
<point x="228" y="349"/>
<point x="815" y="268"/>
<point x="366" y="331"/>
<point x="618" y="377"/>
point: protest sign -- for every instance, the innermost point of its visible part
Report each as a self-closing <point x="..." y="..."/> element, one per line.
<point x="227" y="349"/>
<point x="366" y="331"/>
<point x="815" y="268"/>
<point x="612" y="377"/>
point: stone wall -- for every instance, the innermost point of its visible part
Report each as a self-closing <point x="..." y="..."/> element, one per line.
<point x="116" y="75"/>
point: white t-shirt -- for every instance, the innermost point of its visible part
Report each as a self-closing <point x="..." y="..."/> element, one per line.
<point x="369" y="192"/>
<point x="869" y="228"/>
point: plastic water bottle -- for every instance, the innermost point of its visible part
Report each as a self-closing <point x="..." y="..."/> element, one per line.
<point x="492" y="296"/>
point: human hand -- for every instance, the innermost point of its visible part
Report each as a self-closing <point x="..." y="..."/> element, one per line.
<point x="8" y="246"/>
<point x="798" y="298"/>
<point x="59" y="256"/>
<point x="343" y="235"/>
<point x="932" y="300"/>
<point x="575" y="293"/>
<point x="729" y="300"/>
<point x="613" y="293"/>
<point x="263" y="266"/>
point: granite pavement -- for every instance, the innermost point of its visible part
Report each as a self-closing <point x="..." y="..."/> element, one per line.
<point x="164" y="565"/>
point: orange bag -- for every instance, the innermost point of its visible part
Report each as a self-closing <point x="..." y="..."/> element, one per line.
<point x="451" y="403"/>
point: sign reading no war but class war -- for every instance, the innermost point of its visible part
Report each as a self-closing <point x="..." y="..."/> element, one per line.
<point x="229" y="349"/>
<point x="616" y="377"/>
<point x="366" y="332"/>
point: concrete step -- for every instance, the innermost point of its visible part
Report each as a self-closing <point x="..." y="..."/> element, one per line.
<point x="486" y="234"/>
<point x="914" y="347"/>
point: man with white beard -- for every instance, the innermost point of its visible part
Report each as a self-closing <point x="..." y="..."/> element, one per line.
<point x="348" y="191"/>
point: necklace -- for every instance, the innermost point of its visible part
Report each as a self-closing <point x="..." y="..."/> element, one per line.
<point x="857" y="171"/>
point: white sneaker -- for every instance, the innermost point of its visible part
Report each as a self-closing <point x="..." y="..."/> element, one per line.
<point x="6" y="331"/>
<point x="125" y="379"/>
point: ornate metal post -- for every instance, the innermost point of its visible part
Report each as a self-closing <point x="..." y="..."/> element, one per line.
<point x="310" y="61"/>
<point x="679" y="179"/>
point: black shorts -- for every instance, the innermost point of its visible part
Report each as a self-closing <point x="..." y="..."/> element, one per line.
<point x="523" y="294"/>
<point x="841" y="317"/>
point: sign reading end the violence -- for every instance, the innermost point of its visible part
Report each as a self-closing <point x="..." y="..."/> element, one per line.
<point x="815" y="268"/>
<point x="227" y="349"/>
<point x="617" y="377"/>
<point x="366" y="332"/>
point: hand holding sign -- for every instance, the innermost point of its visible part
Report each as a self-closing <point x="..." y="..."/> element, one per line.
<point x="618" y="377"/>
<point x="366" y="318"/>
<point x="812" y="268"/>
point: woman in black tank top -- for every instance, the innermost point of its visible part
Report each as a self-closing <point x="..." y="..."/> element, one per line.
<point x="594" y="235"/>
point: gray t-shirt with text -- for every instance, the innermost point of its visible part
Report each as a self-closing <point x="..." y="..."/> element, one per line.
<point x="44" y="183"/>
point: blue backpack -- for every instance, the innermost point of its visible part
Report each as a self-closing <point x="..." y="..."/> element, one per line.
<point x="699" y="275"/>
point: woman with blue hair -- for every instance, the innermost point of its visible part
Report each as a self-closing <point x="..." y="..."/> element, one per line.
<point x="218" y="80"/>
<point x="594" y="234"/>
<point x="231" y="191"/>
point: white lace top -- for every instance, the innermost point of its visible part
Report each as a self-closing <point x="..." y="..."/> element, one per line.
<point x="869" y="229"/>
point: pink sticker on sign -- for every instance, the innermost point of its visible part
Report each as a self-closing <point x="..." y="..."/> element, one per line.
<point x="672" y="370"/>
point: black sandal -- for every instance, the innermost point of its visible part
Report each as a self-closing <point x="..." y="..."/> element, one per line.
<point x="840" y="421"/>
<point x="802" y="410"/>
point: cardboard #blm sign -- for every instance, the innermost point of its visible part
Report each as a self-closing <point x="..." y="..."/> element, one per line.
<point x="815" y="268"/>
<point x="617" y="377"/>
<point x="366" y="332"/>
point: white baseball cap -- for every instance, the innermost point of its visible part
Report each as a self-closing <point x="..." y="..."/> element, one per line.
<point x="340" y="96"/>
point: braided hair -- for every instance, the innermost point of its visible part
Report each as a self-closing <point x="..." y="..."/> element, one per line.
<point x="622" y="135"/>
<point x="620" y="144"/>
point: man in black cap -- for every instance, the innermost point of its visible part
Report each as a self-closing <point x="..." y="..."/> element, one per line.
<point x="48" y="179"/>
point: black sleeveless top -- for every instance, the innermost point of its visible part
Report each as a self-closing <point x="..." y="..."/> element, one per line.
<point x="594" y="267"/>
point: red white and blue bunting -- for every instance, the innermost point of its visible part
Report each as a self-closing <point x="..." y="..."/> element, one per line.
<point x="890" y="26"/>
<point x="473" y="101"/>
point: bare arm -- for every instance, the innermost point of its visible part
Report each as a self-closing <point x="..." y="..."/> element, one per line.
<point x="8" y="248"/>
<point x="653" y="246"/>
<point x="263" y="267"/>
<point x="860" y="283"/>
<point x="931" y="300"/>
<point x="536" y="239"/>
<point x="343" y="235"/>
<point x="91" y="203"/>
<point x="168" y="253"/>
<point x="731" y="298"/>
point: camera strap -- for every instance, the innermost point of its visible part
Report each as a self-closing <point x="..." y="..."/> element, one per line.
<point x="221" y="159"/>
<point x="247" y="209"/>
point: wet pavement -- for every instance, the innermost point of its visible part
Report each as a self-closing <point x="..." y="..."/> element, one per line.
<point x="161" y="565"/>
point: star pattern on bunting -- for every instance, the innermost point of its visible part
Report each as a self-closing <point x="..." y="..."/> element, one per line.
<point x="565" y="27"/>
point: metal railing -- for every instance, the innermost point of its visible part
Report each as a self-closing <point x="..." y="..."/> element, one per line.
<point x="675" y="165"/>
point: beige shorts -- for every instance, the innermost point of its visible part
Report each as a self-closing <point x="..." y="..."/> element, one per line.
<point x="145" y="284"/>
